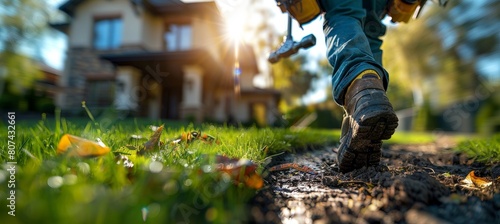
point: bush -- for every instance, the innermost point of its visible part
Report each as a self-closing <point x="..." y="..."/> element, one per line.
<point x="9" y="101"/>
<point x="45" y="105"/>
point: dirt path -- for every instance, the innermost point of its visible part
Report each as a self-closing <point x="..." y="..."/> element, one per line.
<point x="415" y="184"/>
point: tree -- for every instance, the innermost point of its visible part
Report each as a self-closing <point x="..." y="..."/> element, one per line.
<point x="22" y="22"/>
<point x="292" y="79"/>
<point x="445" y="43"/>
<point x="437" y="55"/>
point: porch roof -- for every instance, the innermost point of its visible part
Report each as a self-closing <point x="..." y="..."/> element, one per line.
<point x="172" y="60"/>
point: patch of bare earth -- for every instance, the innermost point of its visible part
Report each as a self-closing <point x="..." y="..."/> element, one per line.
<point x="413" y="184"/>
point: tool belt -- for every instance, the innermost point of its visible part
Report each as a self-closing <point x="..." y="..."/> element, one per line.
<point x="403" y="10"/>
<point x="303" y="11"/>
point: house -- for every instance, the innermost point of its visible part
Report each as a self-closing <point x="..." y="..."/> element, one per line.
<point x="47" y="85"/>
<point x="159" y="59"/>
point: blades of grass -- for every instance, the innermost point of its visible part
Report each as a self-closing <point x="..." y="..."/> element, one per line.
<point x="57" y="128"/>
<point x="136" y="125"/>
<point x="94" y="122"/>
<point x="84" y="105"/>
<point x="64" y="125"/>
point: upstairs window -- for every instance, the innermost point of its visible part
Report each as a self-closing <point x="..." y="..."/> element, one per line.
<point x="178" y="37"/>
<point x="107" y="33"/>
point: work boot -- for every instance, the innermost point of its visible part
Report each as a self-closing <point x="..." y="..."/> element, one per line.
<point x="369" y="119"/>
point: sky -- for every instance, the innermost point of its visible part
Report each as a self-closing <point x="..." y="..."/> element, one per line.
<point x="54" y="45"/>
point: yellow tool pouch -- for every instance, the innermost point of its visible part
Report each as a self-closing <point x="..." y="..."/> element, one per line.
<point x="303" y="11"/>
<point x="402" y="10"/>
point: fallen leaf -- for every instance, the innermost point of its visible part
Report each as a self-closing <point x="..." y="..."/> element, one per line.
<point x="238" y="167"/>
<point x="254" y="181"/>
<point x="154" y="140"/>
<point x="77" y="146"/>
<point x="474" y="181"/>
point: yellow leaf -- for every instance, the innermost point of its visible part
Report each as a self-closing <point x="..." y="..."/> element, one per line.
<point x="76" y="146"/>
<point x="473" y="180"/>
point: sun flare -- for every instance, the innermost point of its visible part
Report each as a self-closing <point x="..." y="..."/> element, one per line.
<point x="234" y="27"/>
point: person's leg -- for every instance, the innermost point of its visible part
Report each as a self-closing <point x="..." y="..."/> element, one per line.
<point x="359" y="81"/>
<point x="348" y="48"/>
<point x="373" y="26"/>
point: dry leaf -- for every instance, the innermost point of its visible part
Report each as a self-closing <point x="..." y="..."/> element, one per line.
<point x="474" y="181"/>
<point x="254" y="181"/>
<point x="236" y="167"/>
<point x="76" y="146"/>
<point x="153" y="141"/>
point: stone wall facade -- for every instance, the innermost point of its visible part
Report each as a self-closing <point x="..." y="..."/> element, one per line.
<point x="82" y="65"/>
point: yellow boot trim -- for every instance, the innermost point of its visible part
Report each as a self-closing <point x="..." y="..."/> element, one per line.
<point x="369" y="71"/>
<point x="360" y="76"/>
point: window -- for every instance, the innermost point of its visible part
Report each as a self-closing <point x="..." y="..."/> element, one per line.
<point x="178" y="37"/>
<point x="107" y="33"/>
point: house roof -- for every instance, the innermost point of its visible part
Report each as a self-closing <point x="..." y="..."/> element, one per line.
<point x="177" y="6"/>
<point x="155" y="6"/>
<point x="70" y="6"/>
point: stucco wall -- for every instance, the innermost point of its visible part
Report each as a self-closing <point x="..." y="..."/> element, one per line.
<point x="81" y="31"/>
<point x="152" y="34"/>
<point x="192" y="87"/>
<point x="206" y="35"/>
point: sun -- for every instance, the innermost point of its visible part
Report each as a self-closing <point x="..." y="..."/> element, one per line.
<point x="235" y="23"/>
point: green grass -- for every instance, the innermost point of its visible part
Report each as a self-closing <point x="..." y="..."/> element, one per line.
<point x="482" y="149"/>
<point x="54" y="188"/>
<point x="175" y="184"/>
<point x="411" y="138"/>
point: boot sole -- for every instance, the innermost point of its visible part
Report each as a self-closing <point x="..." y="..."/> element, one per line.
<point x="363" y="142"/>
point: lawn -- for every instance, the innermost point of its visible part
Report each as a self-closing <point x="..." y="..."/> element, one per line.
<point x="484" y="149"/>
<point x="181" y="182"/>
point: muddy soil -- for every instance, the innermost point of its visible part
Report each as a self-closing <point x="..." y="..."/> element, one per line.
<point x="413" y="184"/>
